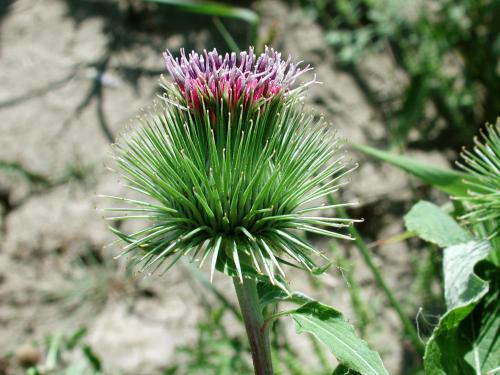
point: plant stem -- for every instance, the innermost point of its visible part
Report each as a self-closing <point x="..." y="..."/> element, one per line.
<point x="258" y="336"/>
<point x="367" y="256"/>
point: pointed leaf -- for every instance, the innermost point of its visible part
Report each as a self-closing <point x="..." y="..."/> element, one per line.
<point x="330" y="327"/>
<point x="432" y="224"/>
<point x="213" y="9"/>
<point x="92" y="358"/>
<point x="446" y="180"/>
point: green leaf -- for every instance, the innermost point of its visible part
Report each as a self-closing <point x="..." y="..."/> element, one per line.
<point x="466" y="339"/>
<point x="343" y="370"/>
<point x="53" y="352"/>
<point x="432" y="224"/>
<point x="484" y="356"/>
<point x="92" y="358"/>
<point x="461" y="284"/>
<point x="212" y="8"/>
<point x="446" y="180"/>
<point x="413" y="105"/>
<point x="219" y="9"/>
<point x="330" y="327"/>
<point x="73" y="340"/>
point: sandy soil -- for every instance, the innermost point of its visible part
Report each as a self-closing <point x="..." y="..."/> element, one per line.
<point x="73" y="75"/>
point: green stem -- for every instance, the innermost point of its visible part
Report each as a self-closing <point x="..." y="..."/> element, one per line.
<point x="258" y="336"/>
<point x="367" y="256"/>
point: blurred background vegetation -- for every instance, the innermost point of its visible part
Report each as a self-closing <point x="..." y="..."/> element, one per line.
<point x="449" y="51"/>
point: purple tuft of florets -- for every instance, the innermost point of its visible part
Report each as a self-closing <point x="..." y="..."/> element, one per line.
<point x="244" y="79"/>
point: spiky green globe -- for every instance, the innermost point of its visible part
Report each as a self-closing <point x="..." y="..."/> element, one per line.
<point x="230" y="168"/>
<point x="483" y="166"/>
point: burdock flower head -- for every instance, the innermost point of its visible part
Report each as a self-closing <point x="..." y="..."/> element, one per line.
<point x="231" y="168"/>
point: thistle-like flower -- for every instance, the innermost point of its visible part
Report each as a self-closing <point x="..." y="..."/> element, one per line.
<point x="483" y="166"/>
<point x="202" y="81"/>
<point x="231" y="168"/>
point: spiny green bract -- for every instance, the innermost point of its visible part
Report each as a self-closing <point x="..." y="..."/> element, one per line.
<point x="483" y="164"/>
<point x="231" y="187"/>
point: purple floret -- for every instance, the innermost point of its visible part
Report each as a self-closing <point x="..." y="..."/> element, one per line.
<point x="237" y="79"/>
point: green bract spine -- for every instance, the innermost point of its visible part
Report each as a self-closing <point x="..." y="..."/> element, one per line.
<point x="230" y="182"/>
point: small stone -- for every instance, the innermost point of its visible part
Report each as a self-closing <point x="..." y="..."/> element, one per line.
<point x="28" y="355"/>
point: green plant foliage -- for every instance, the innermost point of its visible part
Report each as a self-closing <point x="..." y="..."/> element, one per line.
<point x="446" y="180"/>
<point x="466" y="339"/>
<point x="432" y="224"/>
<point x="212" y="8"/>
<point x="343" y="370"/>
<point x="219" y="352"/>
<point x="331" y="328"/>
<point x="61" y="349"/>
<point x="328" y="326"/>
